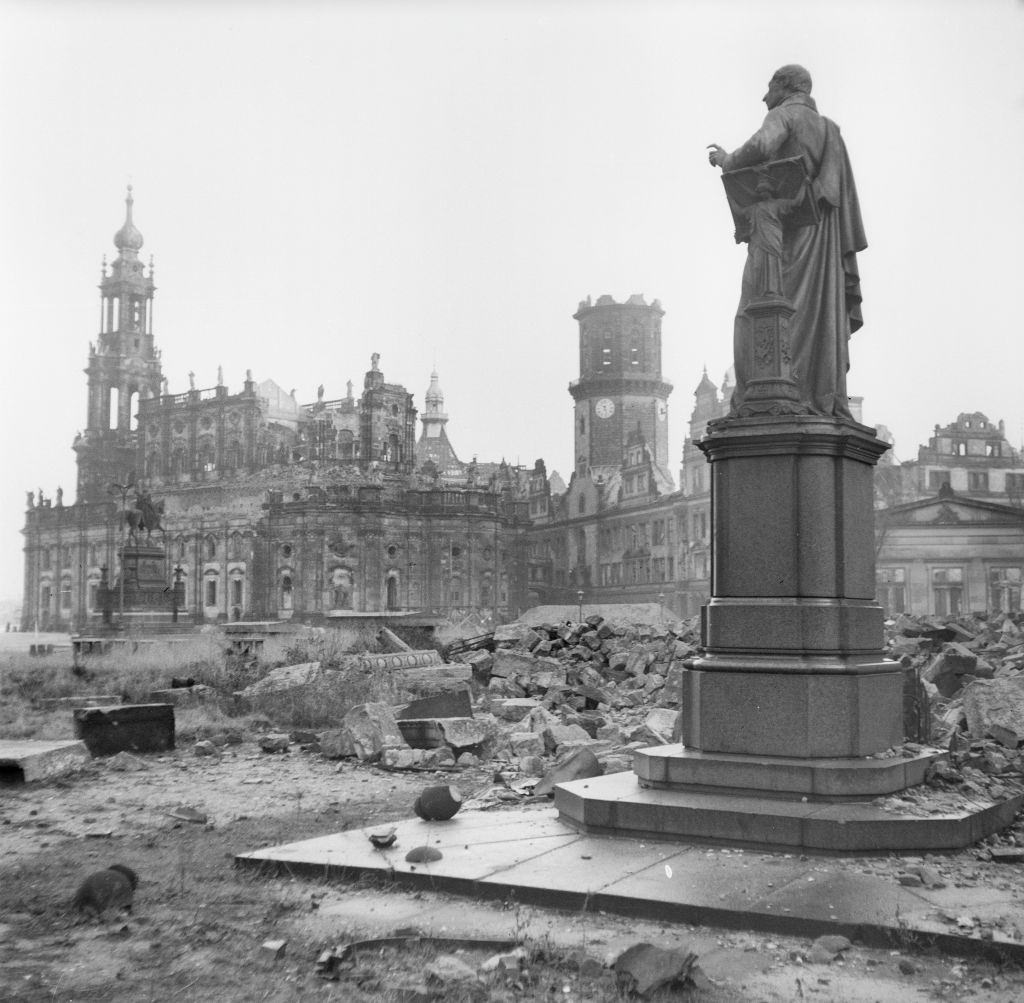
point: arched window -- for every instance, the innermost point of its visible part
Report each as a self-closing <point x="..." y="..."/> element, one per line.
<point x="210" y="547"/>
<point x="207" y="457"/>
<point x="113" y="408"/>
<point x="153" y="464"/>
<point x="391" y="592"/>
<point x="133" y="410"/>
<point x="236" y="549"/>
<point x="286" y="592"/>
<point x="178" y="462"/>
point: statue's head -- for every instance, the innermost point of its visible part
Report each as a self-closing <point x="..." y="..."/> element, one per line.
<point x="789" y="79"/>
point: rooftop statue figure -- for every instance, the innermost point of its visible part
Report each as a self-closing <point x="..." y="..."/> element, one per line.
<point x="803" y="226"/>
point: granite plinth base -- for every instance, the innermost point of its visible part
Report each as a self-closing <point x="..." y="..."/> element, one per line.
<point x="674" y="767"/>
<point x="806" y="708"/>
<point x="617" y="805"/>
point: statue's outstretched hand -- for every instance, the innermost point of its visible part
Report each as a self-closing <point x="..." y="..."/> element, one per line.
<point x="716" y="155"/>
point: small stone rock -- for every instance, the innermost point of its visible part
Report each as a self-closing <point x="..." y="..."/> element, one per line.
<point x="204" y="748"/>
<point x="274" y="742"/>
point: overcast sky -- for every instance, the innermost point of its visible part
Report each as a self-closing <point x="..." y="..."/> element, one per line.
<point x="443" y="182"/>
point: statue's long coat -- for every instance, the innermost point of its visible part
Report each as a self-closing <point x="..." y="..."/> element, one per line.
<point x="820" y="276"/>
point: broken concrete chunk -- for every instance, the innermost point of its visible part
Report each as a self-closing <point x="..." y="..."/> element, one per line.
<point x="580" y="765"/>
<point x="371" y="728"/>
<point x="286" y="677"/>
<point x="336" y="744"/>
<point x="446" y="968"/>
<point x="557" y="734"/>
<point x="438" y="804"/>
<point x="515" y="709"/>
<point x="510" y="664"/>
<point x="526" y="743"/>
<point x="644" y="969"/>
<point x="464" y="732"/>
<point x="455" y="703"/>
<point x="273" y="949"/>
<point x="998" y="702"/>
<point x="274" y="742"/>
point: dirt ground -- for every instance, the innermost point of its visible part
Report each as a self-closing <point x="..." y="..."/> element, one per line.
<point x="198" y="924"/>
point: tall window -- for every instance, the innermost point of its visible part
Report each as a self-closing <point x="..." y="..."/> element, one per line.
<point x="286" y="592"/>
<point x="948" y="590"/>
<point x="211" y="591"/>
<point x="65" y="594"/>
<point x="977" y="480"/>
<point x="1004" y="587"/>
<point x="892" y="589"/>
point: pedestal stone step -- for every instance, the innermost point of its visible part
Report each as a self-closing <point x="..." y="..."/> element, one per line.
<point x="677" y="767"/>
<point x="617" y="805"/>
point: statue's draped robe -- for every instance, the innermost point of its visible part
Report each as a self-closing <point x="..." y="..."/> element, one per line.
<point x="819" y="266"/>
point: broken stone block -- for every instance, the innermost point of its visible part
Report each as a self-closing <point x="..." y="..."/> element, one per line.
<point x="480" y="662"/>
<point x="510" y="664"/>
<point x="273" y="950"/>
<point x="25" y="760"/>
<point x="287" y="677"/>
<point x="515" y="709"/>
<point x="644" y="969"/>
<point x="433" y="758"/>
<point x="336" y="744"/>
<point x="391" y="642"/>
<point x="372" y="728"/>
<point x="456" y="703"/>
<point x="555" y="735"/>
<point x="636" y="662"/>
<point x="274" y="742"/>
<point x="447" y="968"/>
<point x="548" y="676"/>
<point x="532" y="766"/>
<point x="464" y="732"/>
<point x="402" y="759"/>
<point x="988" y="702"/>
<point x="662" y="721"/>
<point x="511" y="633"/>
<point x="126" y="727"/>
<point x="526" y="743"/>
<point x="530" y="640"/>
<point x="501" y="687"/>
<point x="611" y="733"/>
<point x="617" y="661"/>
<point x="578" y="765"/>
<point x="204" y="748"/>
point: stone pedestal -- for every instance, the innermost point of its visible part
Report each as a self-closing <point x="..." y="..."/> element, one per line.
<point x="793" y="633"/>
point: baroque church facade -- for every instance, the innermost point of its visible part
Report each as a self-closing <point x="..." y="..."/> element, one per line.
<point x="271" y="509"/>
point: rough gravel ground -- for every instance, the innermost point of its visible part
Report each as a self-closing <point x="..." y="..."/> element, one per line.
<point x="197" y="926"/>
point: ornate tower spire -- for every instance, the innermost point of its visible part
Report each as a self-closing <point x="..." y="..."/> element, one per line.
<point x="124" y="369"/>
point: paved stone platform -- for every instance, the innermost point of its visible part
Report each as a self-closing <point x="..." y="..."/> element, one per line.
<point x="26" y="761"/>
<point x="531" y="856"/>
<point x="617" y="805"/>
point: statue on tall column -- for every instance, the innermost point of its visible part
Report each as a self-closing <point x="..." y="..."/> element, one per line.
<point x="803" y="227"/>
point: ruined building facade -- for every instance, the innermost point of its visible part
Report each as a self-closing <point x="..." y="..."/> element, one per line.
<point x="271" y="508"/>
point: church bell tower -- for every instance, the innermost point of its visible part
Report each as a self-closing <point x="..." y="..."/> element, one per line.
<point x="124" y="366"/>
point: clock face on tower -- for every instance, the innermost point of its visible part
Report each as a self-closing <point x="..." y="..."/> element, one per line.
<point x="604" y="408"/>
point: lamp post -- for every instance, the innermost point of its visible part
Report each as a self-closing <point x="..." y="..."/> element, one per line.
<point x="579" y="598"/>
<point x="123" y="490"/>
<point x="661" y="606"/>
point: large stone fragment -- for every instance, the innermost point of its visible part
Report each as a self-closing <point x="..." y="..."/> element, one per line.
<point x="991" y="704"/>
<point x="559" y="734"/>
<point x="126" y="727"/>
<point x="950" y="670"/>
<point x="526" y="743"/>
<point x="371" y="728"/>
<point x="454" y="703"/>
<point x="287" y="677"/>
<point x="511" y="664"/>
<point x="514" y="709"/>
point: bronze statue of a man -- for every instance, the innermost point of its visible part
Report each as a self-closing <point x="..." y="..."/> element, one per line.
<point x="817" y="261"/>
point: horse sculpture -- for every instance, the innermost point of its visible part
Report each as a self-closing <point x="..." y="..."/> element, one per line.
<point x="144" y="516"/>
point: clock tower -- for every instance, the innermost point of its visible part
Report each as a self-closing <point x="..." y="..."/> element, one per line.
<point x="620" y="387"/>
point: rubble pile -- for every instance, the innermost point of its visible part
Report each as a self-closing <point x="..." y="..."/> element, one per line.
<point x="965" y="692"/>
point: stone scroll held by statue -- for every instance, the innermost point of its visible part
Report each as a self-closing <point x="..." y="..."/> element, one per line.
<point x="791" y="193"/>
